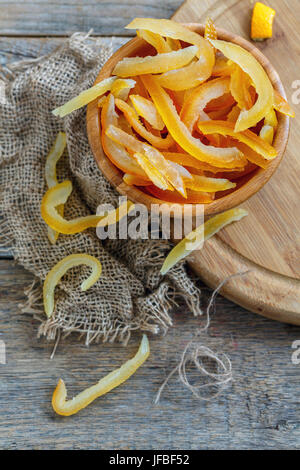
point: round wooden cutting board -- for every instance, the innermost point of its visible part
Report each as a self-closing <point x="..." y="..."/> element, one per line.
<point x="266" y="242"/>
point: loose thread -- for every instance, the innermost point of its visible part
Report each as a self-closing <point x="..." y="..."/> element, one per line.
<point x="194" y="352"/>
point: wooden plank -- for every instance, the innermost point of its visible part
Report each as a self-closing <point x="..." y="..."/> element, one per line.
<point x="15" y="48"/>
<point x="44" y="18"/>
<point x="259" y="409"/>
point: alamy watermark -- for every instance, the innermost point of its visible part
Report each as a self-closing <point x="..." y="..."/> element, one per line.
<point x="162" y="221"/>
<point x="296" y="94"/>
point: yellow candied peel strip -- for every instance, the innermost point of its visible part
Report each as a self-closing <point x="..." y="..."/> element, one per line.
<point x="59" y="195"/>
<point x="264" y="89"/>
<point x="85" y="97"/>
<point x="208" y="184"/>
<point x="156" y="40"/>
<point x="50" y="175"/>
<point x="146" y="109"/>
<point x="197" y="237"/>
<point x="160" y="63"/>
<point x="57" y="272"/>
<point x="65" y="407"/>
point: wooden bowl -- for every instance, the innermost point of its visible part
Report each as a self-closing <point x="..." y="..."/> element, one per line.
<point x="247" y="186"/>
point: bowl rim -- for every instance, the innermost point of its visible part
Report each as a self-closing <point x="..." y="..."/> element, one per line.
<point x="248" y="189"/>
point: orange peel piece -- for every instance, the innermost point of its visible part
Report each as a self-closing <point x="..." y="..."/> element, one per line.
<point x="50" y="174"/>
<point x="262" y="22"/>
<point x="239" y="88"/>
<point x="65" y="407"/>
<point x="186" y="77"/>
<point x="209" y="185"/>
<point x="146" y="109"/>
<point x="192" y="197"/>
<point x="193" y="108"/>
<point x="58" y="271"/>
<point x="171" y="29"/>
<point x="59" y="195"/>
<point x="152" y="172"/>
<point x="267" y="133"/>
<point x="210" y="31"/>
<point x="133" y="180"/>
<point x="121" y="88"/>
<point x="156" y="40"/>
<point x="281" y="105"/>
<point x="85" y="97"/>
<point x="198" y="236"/>
<point x="114" y="151"/>
<point x="133" y="119"/>
<point x="186" y="160"/>
<point x="170" y="173"/>
<point x="221" y="157"/>
<point x="160" y="63"/>
<point x="264" y="89"/>
<point x="247" y="137"/>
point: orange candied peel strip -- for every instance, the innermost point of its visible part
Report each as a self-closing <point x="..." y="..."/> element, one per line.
<point x="134" y="121"/>
<point x="85" y="97"/>
<point x="193" y="108"/>
<point x="267" y="134"/>
<point x="50" y="174"/>
<point x="152" y="172"/>
<point x="171" y="29"/>
<point x="222" y="68"/>
<point x="121" y="88"/>
<point x="186" y="77"/>
<point x="209" y="185"/>
<point x="146" y="109"/>
<point x="210" y="31"/>
<point x="197" y="237"/>
<point x="115" y="152"/>
<point x="157" y="159"/>
<point x="65" y="407"/>
<point x="240" y="88"/>
<point x="58" y="271"/>
<point x="263" y="86"/>
<point x="156" y="40"/>
<point x="59" y="195"/>
<point x="133" y="180"/>
<point x="262" y="22"/>
<point x="130" y="66"/>
<point x="186" y="160"/>
<point x="220" y="157"/>
<point x="192" y="197"/>
<point x="281" y="105"/>
<point x="247" y="137"/>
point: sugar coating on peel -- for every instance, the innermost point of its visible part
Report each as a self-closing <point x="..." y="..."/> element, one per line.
<point x="57" y="272"/>
<point x="65" y="407"/>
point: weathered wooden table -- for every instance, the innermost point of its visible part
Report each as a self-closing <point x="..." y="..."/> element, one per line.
<point x="261" y="407"/>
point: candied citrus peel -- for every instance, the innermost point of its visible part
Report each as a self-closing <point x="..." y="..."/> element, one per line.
<point x="134" y="121"/>
<point x="156" y="158"/>
<point x="193" y="108"/>
<point x="210" y="31"/>
<point x="130" y="66"/>
<point x="133" y="180"/>
<point x="59" y="195"/>
<point x="187" y="77"/>
<point x="156" y="40"/>
<point x="262" y="22"/>
<point x="146" y="109"/>
<point x="58" y="271"/>
<point x="121" y="88"/>
<point x="85" y="97"/>
<point x="114" y="151"/>
<point x="65" y="407"/>
<point x="50" y="174"/>
<point x="192" y="197"/>
<point x="247" y="137"/>
<point x="152" y="172"/>
<point x="263" y="86"/>
<point x="209" y="185"/>
<point x="198" y="236"/>
<point x="221" y="157"/>
<point x="281" y="105"/>
<point x="240" y="88"/>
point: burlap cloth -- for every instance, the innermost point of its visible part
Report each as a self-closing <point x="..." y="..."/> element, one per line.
<point x="131" y="294"/>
